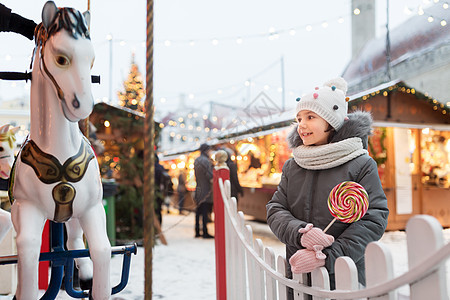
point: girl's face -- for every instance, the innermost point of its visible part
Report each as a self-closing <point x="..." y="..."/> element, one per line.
<point x="312" y="128"/>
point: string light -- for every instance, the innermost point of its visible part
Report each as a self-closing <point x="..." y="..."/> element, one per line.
<point x="420" y="10"/>
<point x="436" y="106"/>
<point x="445" y="108"/>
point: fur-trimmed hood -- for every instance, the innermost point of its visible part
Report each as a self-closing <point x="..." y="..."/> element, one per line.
<point x="359" y="124"/>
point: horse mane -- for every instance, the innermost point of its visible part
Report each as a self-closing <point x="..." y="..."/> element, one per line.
<point x="9" y="137"/>
<point x="66" y="18"/>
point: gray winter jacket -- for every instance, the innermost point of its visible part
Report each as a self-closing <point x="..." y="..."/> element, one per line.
<point x="203" y="169"/>
<point x="302" y="195"/>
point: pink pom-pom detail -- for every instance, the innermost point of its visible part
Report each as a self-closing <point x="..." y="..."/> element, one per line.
<point x="315" y="95"/>
<point x="316" y="88"/>
<point x="346" y="119"/>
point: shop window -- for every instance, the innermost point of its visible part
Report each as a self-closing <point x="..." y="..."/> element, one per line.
<point x="435" y="155"/>
<point x="378" y="150"/>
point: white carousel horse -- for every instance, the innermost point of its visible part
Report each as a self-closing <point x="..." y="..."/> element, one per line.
<point x="56" y="175"/>
<point x="7" y="146"/>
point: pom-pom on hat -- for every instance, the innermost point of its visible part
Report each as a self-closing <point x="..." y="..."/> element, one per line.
<point x="328" y="101"/>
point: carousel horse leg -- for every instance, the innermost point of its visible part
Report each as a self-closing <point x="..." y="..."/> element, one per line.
<point x="74" y="242"/>
<point x="28" y="222"/>
<point x="5" y="223"/>
<point x="93" y="223"/>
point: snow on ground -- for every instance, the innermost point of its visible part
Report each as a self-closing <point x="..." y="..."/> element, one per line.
<point x="185" y="267"/>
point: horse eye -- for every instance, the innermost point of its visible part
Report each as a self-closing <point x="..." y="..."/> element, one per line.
<point x="62" y="60"/>
<point x="2" y="149"/>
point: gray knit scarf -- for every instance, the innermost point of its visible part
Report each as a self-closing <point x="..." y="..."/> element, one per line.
<point x="329" y="155"/>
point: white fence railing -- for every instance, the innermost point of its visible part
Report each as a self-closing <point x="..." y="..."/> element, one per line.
<point x="253" y="271"/>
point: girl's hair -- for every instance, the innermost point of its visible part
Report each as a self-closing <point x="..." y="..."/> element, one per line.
<point x="332" y="132"/>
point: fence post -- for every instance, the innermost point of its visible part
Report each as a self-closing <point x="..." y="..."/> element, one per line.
<point x="219" y="232"/>
<point x="44" y="265"/>
<point x="302" y="279"/>
<point x="251" y="269"/>
<point x="259" y="275"/>
<point x="379" y="267"/>
<point x="346" y="274"/>
<point x="241" y="283"/>
<point x="282" y="269"/>
<point x="424" y="237"/>
<point x="271" y="284"/>
<point x="320" y="279"/>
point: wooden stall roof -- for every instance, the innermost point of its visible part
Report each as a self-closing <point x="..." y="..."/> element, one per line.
<point x="397" y="103"/>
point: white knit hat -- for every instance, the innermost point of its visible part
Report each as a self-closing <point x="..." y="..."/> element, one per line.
<point x="329" y="102"/>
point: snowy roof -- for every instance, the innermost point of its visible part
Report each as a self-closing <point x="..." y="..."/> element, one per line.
<point x="413" y="38"/>
<point x="285" y="119"/>
<point x="252" y="128"/>
<point x="119" y="109"/>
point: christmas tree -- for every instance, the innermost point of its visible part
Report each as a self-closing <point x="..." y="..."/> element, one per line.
<point x="133" y="89"/>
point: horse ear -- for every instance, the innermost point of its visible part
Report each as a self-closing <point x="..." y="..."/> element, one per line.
<point x="48" y="13"/>
<point x="87" y="17"/>
<point x="14" y="130"/>
<point x="4" y="128"/>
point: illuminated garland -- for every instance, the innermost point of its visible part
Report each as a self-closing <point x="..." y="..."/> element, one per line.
<point x="381" y="157"/>
<point x="403" y="88"/>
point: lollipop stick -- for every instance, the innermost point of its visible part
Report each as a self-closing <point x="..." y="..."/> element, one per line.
<point x="329" y="225"/>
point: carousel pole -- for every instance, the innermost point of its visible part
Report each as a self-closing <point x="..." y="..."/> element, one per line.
<point x="149" y="158"/>
<point x="85" y="130"/>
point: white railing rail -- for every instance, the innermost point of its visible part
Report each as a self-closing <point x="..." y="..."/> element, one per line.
<point x="254" y="273"/>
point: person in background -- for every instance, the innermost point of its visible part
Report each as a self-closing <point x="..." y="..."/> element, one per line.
<point x="254" y="161"/>
<point x="181" y="190"/>
<point x="203" y="169"/>
<point x="236" y="188"/>
<point x="328" y="147"/>
<point x="163" y="187"/>
<point x="11" y="22"/>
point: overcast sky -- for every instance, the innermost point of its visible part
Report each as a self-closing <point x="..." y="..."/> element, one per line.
<point x="207" y="50"/>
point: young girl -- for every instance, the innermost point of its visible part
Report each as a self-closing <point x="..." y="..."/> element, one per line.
<point x="329" y="147"/>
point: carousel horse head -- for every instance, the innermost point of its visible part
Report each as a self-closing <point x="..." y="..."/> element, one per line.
<point x="7" y="145"/>
<point x="65" y="57"/>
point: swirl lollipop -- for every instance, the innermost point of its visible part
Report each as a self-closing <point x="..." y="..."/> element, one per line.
<point x="348" y="202"/>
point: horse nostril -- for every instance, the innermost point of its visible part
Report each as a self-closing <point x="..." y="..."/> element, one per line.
<point x="76" y="103"/>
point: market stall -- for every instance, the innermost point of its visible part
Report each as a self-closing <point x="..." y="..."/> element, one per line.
<point x="411" y="147"/>
<point x="259" y="160"/>
<point x="177" y="163"/>
<point x="410" y="143"/>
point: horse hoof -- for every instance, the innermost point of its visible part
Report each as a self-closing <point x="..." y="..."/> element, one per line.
<point x="86" y="284"/>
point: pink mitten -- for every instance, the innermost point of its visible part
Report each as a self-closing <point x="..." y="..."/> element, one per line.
<point x="304" y="260"/>
<point x="314" y="236"/>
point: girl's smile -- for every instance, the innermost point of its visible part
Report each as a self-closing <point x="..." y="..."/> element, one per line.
<point x="312" y="129"/>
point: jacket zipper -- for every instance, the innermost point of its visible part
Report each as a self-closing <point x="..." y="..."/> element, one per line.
<point x="313" y="192"/>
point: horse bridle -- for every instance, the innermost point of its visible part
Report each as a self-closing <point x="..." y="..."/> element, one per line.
<point x="42" y="37"/>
